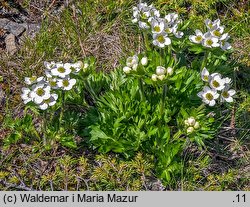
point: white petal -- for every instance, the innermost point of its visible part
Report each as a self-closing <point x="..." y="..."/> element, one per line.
<point x="231" y="92"/>
<point x="72" y="82"/>
<point x="38" y="99"/>
<point x="43" y="106"/>
<point x="212" y="103"/>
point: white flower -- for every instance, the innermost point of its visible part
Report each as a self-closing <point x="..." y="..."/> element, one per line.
<point x="226" y="95"/>
<point x="33" y="79"/>
<point x="157" y="26"/>
<point x="160" y="70"/>
<point x="217" y="31"/>
<point x="143" y="25"/>
<point x="171" y="18"/>
<point x="170" y="71"/>
<point x="49" y="102"/>
<point x="50" y="65"/>
<point x="144" y="61"/>
<point x="26" y="95"/>
<point x="211" y="24"/>
<point x="39" y="93"/>
<point x="217" y="82"/>
<point x="197" y="38"/>
<point x="52" y="82"/>
<point x="131" y="61"/>
<point x="205" y="75"/>
<point x="208" y="96"/>
<point x="66" y="84"/>
<point x="154" y="77"/>
<point x="210" y="41"/>
<point x="190" y="130"/>
<point x="178" y="34"/>
<point x="224" y="45"/>
<point x="126" y="69"/>
<point x="161" y="40"/>
<point x="74" y="67"/>
<point x="60" y="70"/>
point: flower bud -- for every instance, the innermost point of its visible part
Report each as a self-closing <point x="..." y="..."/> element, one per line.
<point x="144" y="61"/>
<point x="197" y="125"/>
<point x="190" y="130"/>
<point x="191" y="121"/>
<point x="161" y="77"/>
<point x="170" y="71"/>
<point x="134" y="67"/>
<point x="154" y="77"/>
<point x="160" y="70"/>
<point x="85" y="66"/>
<point x="126" y="69"/>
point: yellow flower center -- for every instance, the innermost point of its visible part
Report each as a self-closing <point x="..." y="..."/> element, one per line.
<point x="52" y="83"/>
<point x="61" y="70"/>
<point x="167" y="30"/>
<point x="161" y="39"/>
<point x="65" y="83"/>
<point x="217" y="33"/>
<point x="225" y="94"/>
<point x="205" y="77"/>
<point x="40" y="92"/>
<point x="33" y="78"/>
<point x="198" y="38"/>
<point x="157" y="29"/>
<point x="144" y="16"/>
<point x="209" y="42"/>
<point x="209" y="96"/>
<point x="215" y="83"/>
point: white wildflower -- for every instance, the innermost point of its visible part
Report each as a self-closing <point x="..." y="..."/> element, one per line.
<point x="208" y="96"/>
<point x="161" y="40"/>
<point x="66" y="83"/>
<point x="26" y="95"/>
<point x="226" y="95"/>
<point x="205" y="75"/>
<point x="40" y="92"/>
<point x="60" y="70"/>
<point x="197" y="38"/>
<point x="217" y="82"/>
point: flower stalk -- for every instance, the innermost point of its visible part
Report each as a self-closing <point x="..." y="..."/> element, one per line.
<point x="164" y="93"/>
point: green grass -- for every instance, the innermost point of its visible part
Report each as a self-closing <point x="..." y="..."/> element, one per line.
<point x="103" y="29"/>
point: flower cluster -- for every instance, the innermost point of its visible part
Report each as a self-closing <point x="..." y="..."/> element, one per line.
<point x="133" y="62"/>
<point x="218" y="88"/>
<point x="57" y="76"/>
<point x="148" y="17"/>
<point x="162" y="73"/>
<point x="191" y="124"/>
<point x="214" y="37"/>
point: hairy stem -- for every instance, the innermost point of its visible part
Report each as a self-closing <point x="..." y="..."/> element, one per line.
<point x="204" y="61"/>
<point x="145" y="37"/>
<point x="164" y="93"/>
<point x="141" y="89"/>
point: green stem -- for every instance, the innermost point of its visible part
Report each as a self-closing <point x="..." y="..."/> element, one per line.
<point x="141" y="89"/>
<point x="204" y="61"/>
<point x="164" y="93"/>
<point x="145" y="37"/>
<point x="62" y="108"/>
<point x="44" y="127"/>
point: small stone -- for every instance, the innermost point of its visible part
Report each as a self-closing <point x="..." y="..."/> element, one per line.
<point x="10" y="42"/>
<point x="13" y="27"/>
